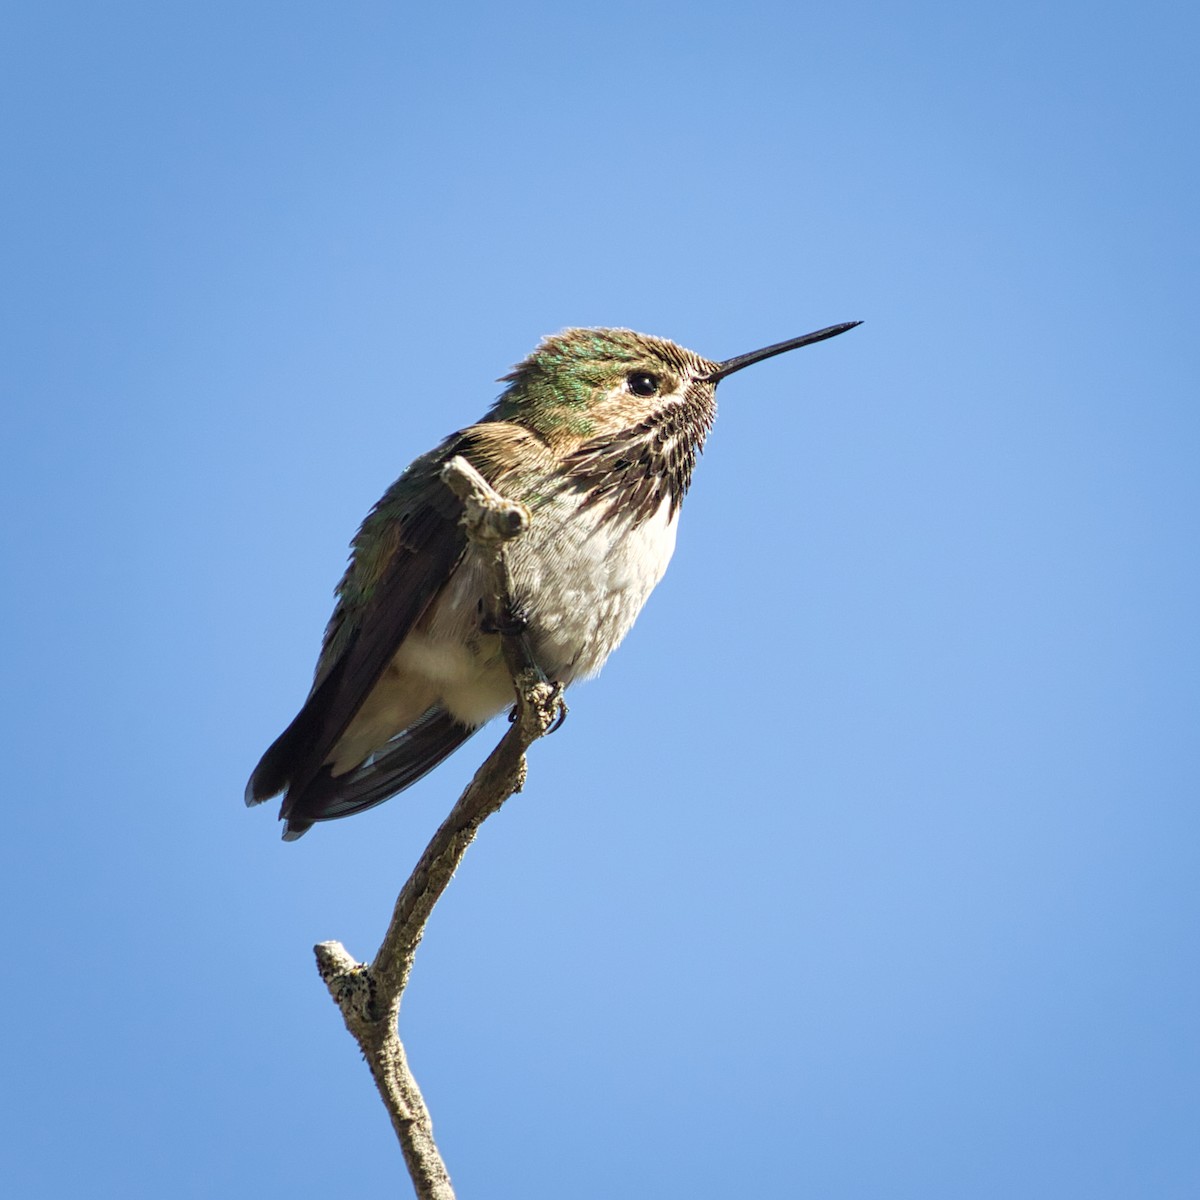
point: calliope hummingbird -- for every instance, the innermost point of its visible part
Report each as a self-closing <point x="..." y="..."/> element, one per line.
<point x="597" y="434"/>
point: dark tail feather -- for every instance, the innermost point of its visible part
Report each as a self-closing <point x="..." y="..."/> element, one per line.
<point x="289" y="757"/>
<point x="272" y="774"/>
<point x="408" y="756"/>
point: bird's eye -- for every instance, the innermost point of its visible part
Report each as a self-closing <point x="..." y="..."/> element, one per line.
<point x="642" y="383"/>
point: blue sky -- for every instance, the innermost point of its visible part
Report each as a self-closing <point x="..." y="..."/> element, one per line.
<point x="868" y="867"/>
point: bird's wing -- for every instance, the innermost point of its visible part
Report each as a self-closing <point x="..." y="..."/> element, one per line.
<point x="402" y="557"/>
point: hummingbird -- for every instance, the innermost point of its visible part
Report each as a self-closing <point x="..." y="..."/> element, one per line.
<point x="597" y="433"/>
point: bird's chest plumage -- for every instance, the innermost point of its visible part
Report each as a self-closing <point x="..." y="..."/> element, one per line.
<point x="584" y="579"/>
<point x="580" y="577"/>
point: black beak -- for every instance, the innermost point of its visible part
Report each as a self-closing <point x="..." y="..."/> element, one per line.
<point x="744" y="360"/>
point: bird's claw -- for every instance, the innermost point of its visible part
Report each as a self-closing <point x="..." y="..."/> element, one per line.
<point x="560" y="704"/>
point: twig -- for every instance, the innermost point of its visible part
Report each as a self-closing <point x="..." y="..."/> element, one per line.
<point x="369" y="995"/>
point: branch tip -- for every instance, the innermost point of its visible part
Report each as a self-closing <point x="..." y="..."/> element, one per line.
<point x="488" y="516"/>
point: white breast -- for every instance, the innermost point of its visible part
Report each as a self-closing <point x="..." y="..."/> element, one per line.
<point x="584" y="581"/>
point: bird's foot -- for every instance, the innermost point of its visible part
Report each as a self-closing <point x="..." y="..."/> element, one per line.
<point x="556" y="700"/>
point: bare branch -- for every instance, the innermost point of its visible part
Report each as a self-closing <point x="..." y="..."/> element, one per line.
<point x="369" y="995"/>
